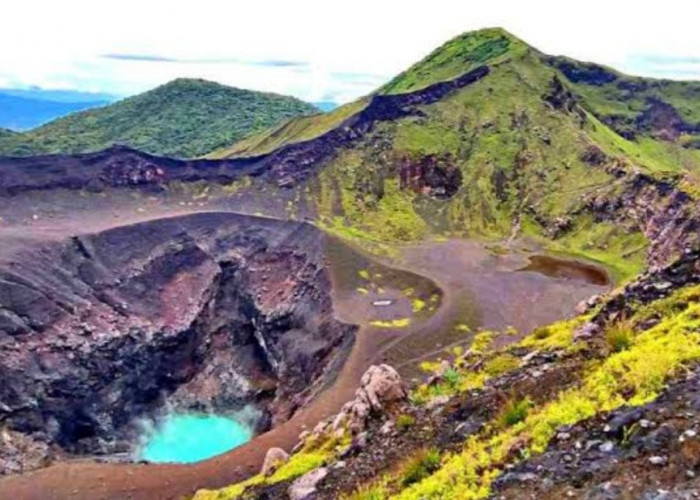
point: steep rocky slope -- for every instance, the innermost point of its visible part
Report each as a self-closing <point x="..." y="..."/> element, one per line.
<point x="184" y="118"/>
<point x="211" y="312"/>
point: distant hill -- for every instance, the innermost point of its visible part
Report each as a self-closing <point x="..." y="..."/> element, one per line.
<point x="23" y="113"/>
<point x="183" y="118"/>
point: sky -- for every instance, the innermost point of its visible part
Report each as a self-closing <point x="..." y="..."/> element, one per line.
<point x="317" y="50"/>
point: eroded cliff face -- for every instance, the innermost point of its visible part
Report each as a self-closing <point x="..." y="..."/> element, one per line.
<point x="211" y="312"/>
<point x="665" y="213"/>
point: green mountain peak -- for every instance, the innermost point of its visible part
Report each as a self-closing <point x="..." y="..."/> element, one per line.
<point x="456" y="57"/>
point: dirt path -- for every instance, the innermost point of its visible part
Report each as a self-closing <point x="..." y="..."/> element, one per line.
<point x="478" y="288"/>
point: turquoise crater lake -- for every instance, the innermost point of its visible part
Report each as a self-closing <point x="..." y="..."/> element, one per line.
<point x="188" y="438"/>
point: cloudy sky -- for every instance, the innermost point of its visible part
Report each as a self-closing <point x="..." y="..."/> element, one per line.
<point x="317" y="50"/>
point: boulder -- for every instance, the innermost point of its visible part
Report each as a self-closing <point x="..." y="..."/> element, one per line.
<point x="586" y="331"/>
<point x="380" y="386"/>
<point x="273" y="459"/>
<point x="305" y="487"/>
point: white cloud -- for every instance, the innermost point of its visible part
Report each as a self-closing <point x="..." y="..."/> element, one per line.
<point x="61" y="44"/>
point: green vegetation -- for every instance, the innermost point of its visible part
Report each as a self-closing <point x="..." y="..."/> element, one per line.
<point x="514" y="412"/>
<point x="313" y="455"/>
<point x="517" y="156"/>
<point x="417" y="305"/>
<point x="619" y="336"/>
<point x="455" y="58"/>
<point x="501" y="364"/>
<point x="405" y="421"/>
<point x="184" y="118"/>
<point x="611" y="94"/>
<point x="295" y="130"/>
<point x="631" y="376"/>
<point x="393" y="323"/>
<point x="530" y="165"/>
<point x="420" y="466"/>
<point x="525" y="162"/>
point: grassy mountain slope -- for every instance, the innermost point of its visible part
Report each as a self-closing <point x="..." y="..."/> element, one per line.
<point x="456" y="57"/>
<point x="656" y="122"/>
<point x="297" y="130"/>
<point x="184" y="118"/>
<point x="522" y="151"/>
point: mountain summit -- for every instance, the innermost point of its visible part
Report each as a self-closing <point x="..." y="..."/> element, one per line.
<point x="456" y="57"/>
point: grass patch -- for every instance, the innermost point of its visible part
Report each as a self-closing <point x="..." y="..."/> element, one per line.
<point x="501" y="364"/>
<point x="393" y="323"/>
<point x="417" y="305"/>
<point x="619" y="336"/>
<point x="514" y="412"/>
<point x="405" y="421"/>
<point x="420" y="466"/>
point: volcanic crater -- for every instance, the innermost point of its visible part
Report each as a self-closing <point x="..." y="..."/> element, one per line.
<point x="208" y="312"/>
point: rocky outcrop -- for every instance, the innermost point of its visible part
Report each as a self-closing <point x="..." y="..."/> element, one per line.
<point x="211" y="312"/>
<point x="660" y="209"/>
<point x="433" y="175"/>
<point x="580" y="72"/>
<point x="273" y="459"/>
<point x="650" y="286"/>
<point x="627" y="453"/>
<point x="380" y="388"/>
<point x="304" y="488"/>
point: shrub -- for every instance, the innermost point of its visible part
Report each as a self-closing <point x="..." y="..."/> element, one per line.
<point x="514" y="412"/>
<point x="423" y="464"/>
<point x="619" y="336"/>
<point x="541" y="333"/>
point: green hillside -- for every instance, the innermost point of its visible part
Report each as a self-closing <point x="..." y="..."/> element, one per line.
<point x="532" y="141"/>
<point x="183" y="118"/>
<point x="297" y="130"/>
